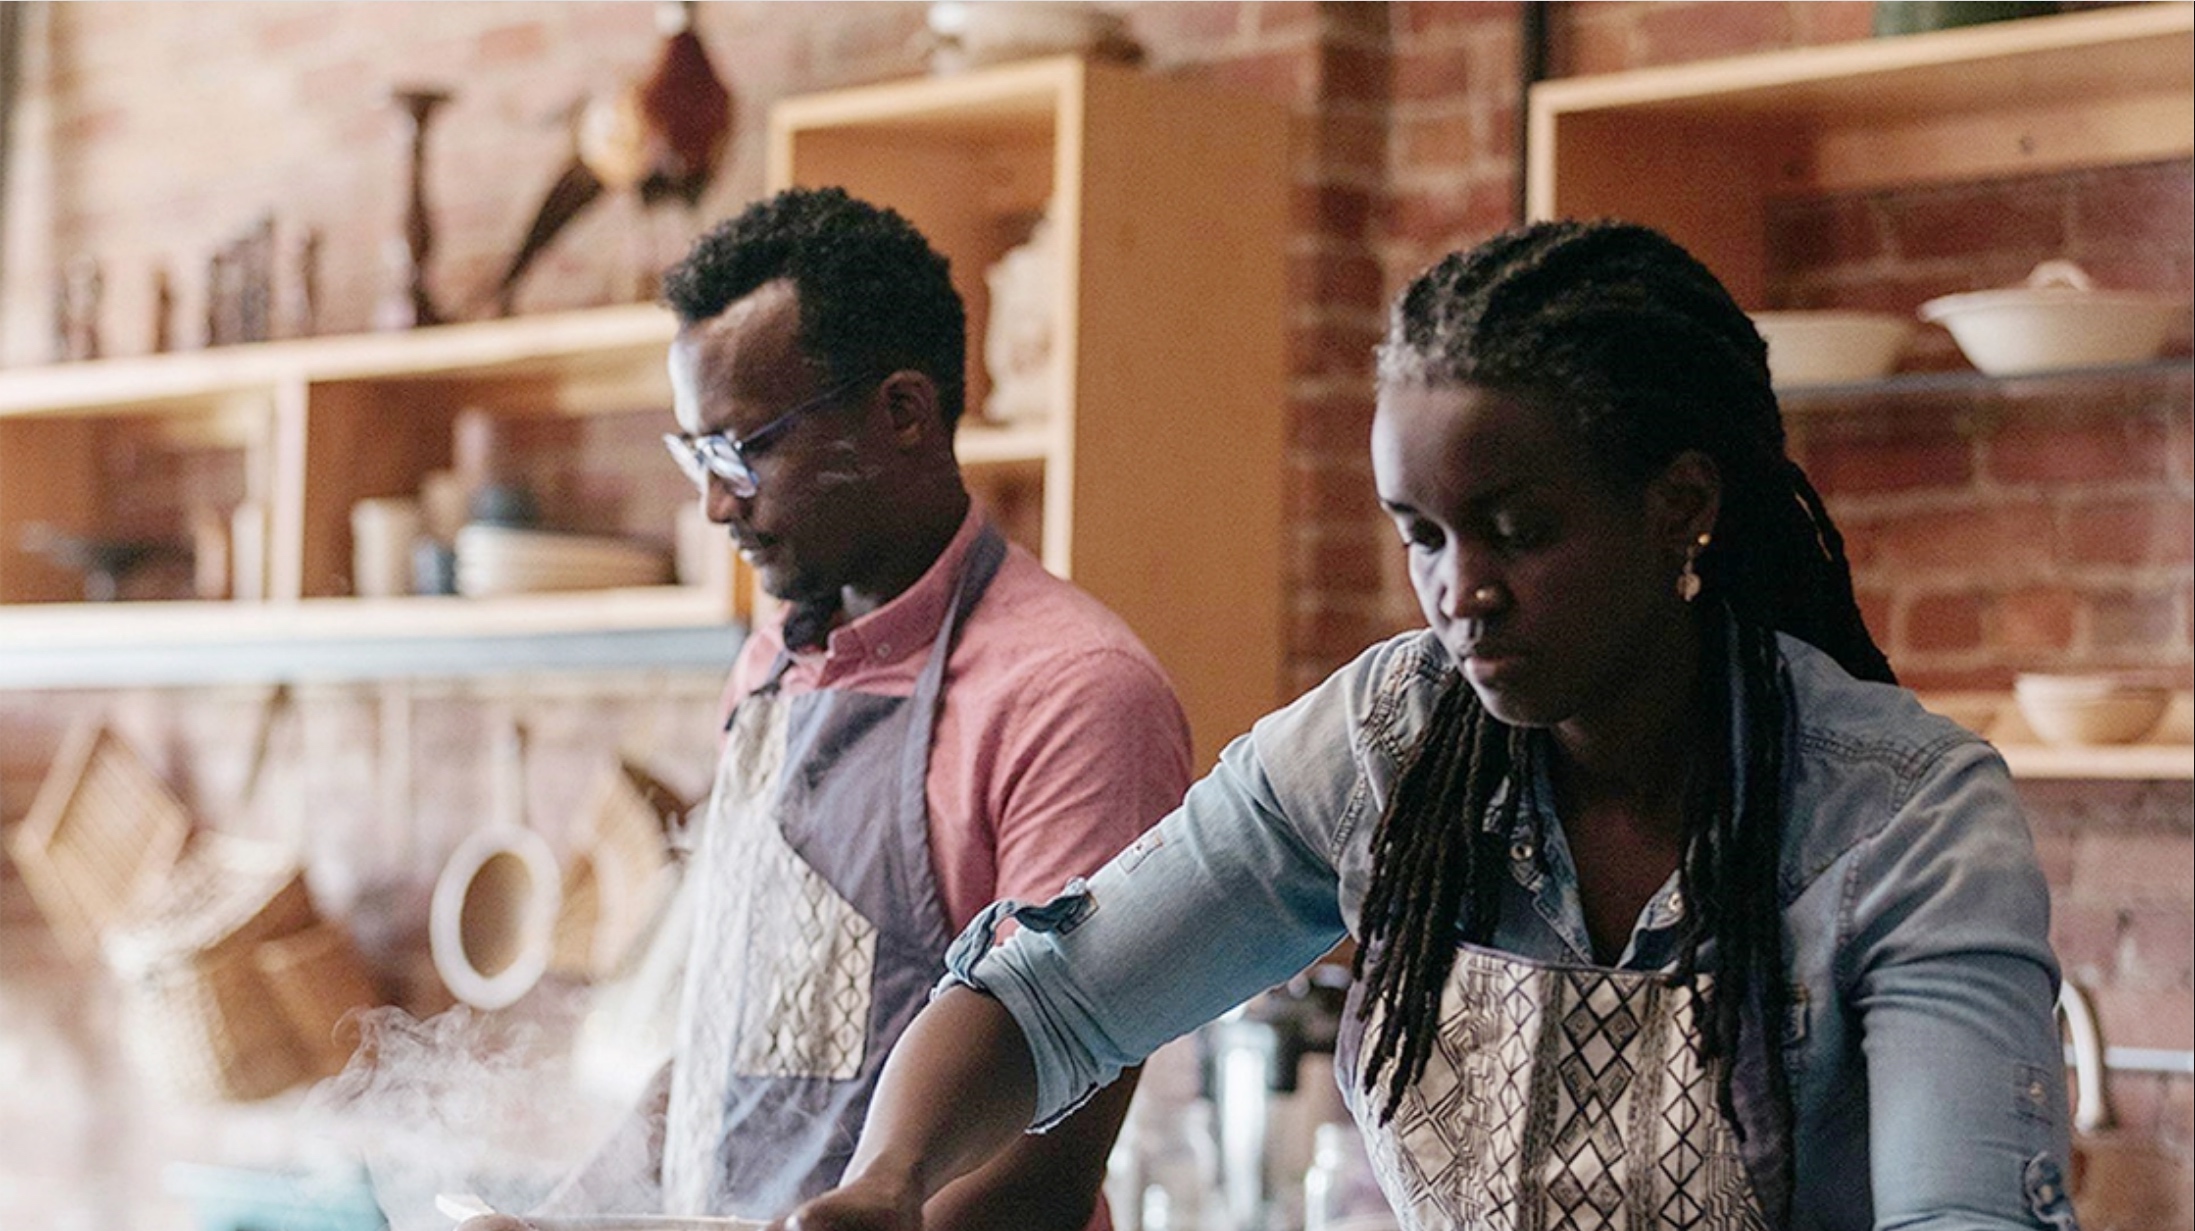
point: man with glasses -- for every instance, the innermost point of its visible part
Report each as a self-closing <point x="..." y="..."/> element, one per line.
<point x="932" y="723"/>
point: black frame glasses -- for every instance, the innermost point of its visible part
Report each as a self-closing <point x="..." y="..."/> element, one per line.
<point x="718" y="454"/>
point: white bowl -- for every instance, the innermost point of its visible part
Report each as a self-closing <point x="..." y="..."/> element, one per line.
<point x="1831" y="347"/>
<point x="2089" y="709"/>
<point x="2059" y="320"/>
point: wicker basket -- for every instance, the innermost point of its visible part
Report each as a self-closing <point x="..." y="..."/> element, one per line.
<point x="318" y="978"/>
<point x="615" y="885"/>
<point x="99" y="839"/>
<point x="198" y="1014"/>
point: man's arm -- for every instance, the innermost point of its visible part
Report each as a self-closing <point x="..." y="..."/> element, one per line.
<point x="957" y="1090"/>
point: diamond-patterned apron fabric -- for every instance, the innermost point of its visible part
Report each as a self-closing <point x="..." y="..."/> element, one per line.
<point x="818" y="932"/>
<point x="1556" y="1097"/>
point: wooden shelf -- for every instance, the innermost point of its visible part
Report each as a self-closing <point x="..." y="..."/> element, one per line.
<point x="2166" y="754"/>
<point x="1699" y="149"/>
<point x="315" y="425"/>
<point x="1968" y="384"/>
<point x="556" y="347"/>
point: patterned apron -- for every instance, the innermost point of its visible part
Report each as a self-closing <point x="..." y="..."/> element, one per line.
<point x="1555" y="1097"/>
<point x="819" y="932"/>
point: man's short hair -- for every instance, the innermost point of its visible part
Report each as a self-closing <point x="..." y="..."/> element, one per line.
<point x="875" y="297"/>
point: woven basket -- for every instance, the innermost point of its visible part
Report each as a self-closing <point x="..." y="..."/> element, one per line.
<point x="615" y="885"/>
<point x="318" y="978"/>
<point x="198" y="1014"/>
<point x="99" y="839"/>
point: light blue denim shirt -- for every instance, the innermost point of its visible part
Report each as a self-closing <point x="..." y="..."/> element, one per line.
<point x="1926" y="1071"/>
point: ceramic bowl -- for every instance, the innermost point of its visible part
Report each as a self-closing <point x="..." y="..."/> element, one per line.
<point x="2089" y="709"/>
<point x="2058" y="321"/>
<point x="1831" y="347"/>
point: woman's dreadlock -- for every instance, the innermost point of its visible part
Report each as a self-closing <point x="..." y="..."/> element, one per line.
<point x="1621" y="329"/>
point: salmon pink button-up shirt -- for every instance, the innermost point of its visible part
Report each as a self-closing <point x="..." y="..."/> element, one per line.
<point x="1059" y="738"/>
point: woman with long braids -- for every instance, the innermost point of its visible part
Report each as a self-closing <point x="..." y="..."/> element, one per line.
<point x="1672" y="910"/>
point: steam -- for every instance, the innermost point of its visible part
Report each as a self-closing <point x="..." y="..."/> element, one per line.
<point x="462" y="1102"/>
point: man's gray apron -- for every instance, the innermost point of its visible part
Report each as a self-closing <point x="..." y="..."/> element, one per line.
<point x="1555" y="1097"/>
<point x="819" y="932"/>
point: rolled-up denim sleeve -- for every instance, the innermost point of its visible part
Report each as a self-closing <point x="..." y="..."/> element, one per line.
<point x="1950" y="971"/>
<point x="1220" y="900"/>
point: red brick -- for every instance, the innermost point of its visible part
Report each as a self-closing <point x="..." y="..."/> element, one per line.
<point x="2054" y="853"/>
<point x="1833" y="21"/>
<point x="1342" y="279"/>
<point x="1332" y="349"/>
<point x="2146" y="1017"/>
<point x="2177" y="1126"/>
<point x="1319" y="487"/>
<point x="2044" y="449"/>
<point x="1353" y="74"/>
<point x="1351" y="144"/>
<point x="1425" y="75"/>
<point x="518" y="43"/>
<point x="2085" y="936"/>
<point x="1964" y="222"/>
<point x="2159" y="948"/>
<point x="2131" y="868"/>
<point x="1282" y="75"/>
<point x="1680" y="33"/>
<point x="1348" y="559"/>
<point x="1850" y="464"/>
<point x="1585" y="39"/>
<point x="1339" y="211"/>
<point x="1823" y="234"/>
<point x="1300" y="17"/>
<point x="1935" y="623"/>
<point x="1333" y="422"/>
<point x="1979" y="542"/>
<point x="2132" y="621"/>
<point x="1421" y="17"/>
<point x="2141" y="207"/>
<point x="2129" y="532"/>
<point x="2039" y="618"/>
<point x="1436" y="142"/>
<point x="1200" y="25"/>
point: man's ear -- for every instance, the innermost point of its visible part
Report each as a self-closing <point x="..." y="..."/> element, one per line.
<point x="1684" y="499"/>
<point x="911" y="406"/>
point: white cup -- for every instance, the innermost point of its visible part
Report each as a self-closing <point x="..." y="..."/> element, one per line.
<point x="382" y="531"/>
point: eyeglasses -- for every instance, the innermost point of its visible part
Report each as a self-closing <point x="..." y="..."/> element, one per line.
<point x="718" y="454"/>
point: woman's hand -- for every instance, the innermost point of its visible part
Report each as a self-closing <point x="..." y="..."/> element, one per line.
<point x="862" y="1205"/>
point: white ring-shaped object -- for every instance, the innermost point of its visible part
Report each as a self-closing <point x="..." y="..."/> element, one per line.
<point x="491" y="927"/>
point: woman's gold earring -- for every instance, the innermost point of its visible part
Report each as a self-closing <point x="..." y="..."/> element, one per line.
<point x="1688" y="578"/>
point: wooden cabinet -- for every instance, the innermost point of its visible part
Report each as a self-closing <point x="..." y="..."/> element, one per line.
<point x="1699" y="150"/>
<point x="300" y="431"/>
<point x="1154" y="481"/>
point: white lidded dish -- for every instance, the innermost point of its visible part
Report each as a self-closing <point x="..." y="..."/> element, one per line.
<point x="1831" y="347"/>
<point x="2056" y="322"/>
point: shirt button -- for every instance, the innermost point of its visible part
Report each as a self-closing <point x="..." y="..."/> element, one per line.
<point x="883" y="649"/>
<point x="1522" y="852"/>
<point x="2035" y="1092"/>
<point x="1676" y="903"/>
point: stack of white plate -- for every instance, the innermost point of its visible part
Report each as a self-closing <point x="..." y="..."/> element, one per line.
<point x="500" y="560"/>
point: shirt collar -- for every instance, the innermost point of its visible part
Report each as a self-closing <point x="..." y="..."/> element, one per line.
<point x="909" y="622"/>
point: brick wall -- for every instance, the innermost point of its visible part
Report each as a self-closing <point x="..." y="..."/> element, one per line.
<point x="1989" y="534"/>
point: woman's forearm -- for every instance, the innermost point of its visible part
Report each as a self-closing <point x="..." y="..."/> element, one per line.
<point x="959" y="1087"/>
